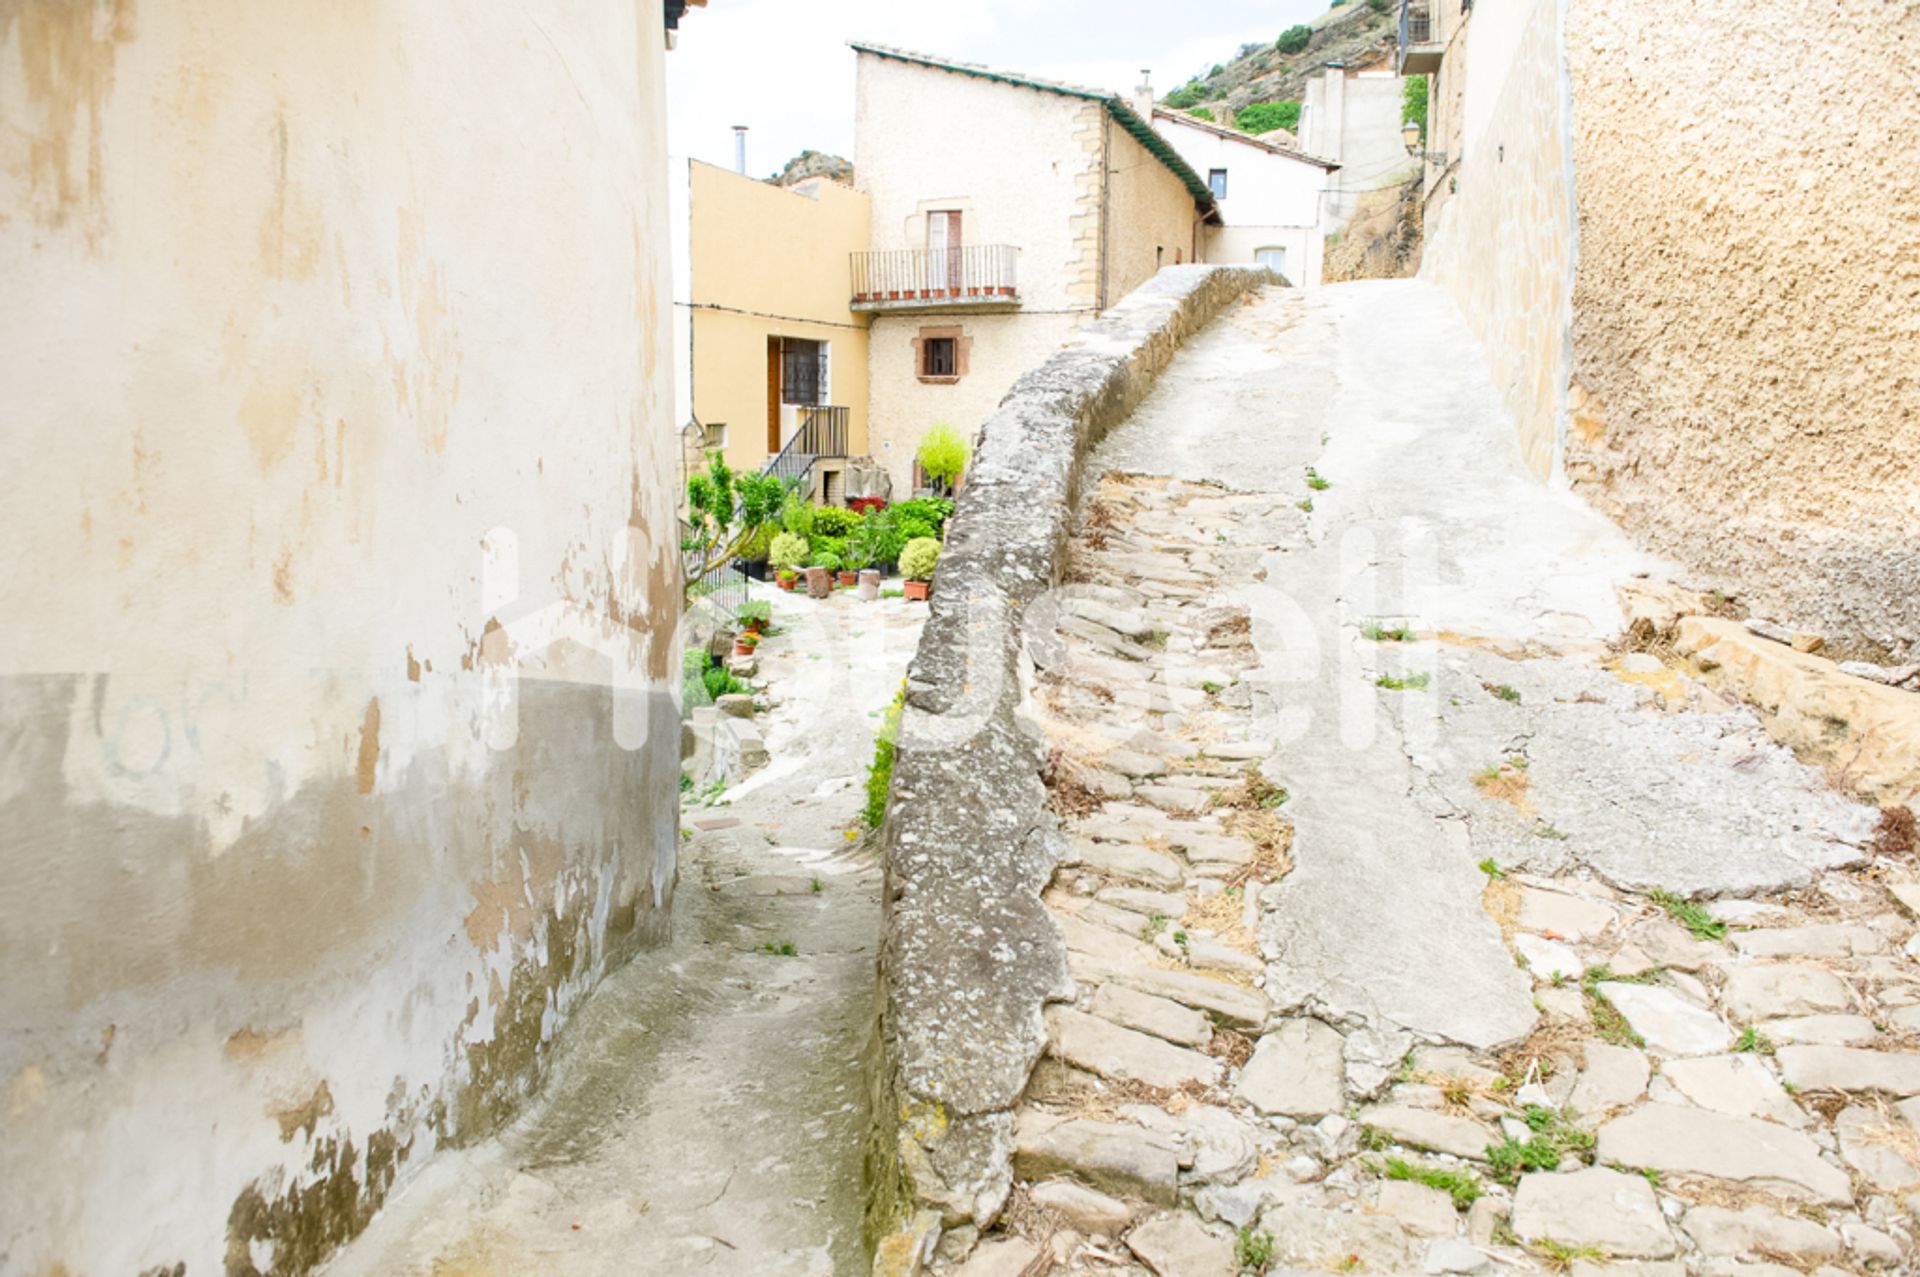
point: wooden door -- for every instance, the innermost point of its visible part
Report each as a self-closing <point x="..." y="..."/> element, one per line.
<point x="773" y="396"/>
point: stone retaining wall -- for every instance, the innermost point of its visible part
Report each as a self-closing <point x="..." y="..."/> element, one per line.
<point x="969" y="956"/>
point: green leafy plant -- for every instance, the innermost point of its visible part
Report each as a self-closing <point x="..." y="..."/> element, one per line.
<point x="1294" y="39"/>
<point x="1201" y="113"/>
<point x="1413" y="103"/>
<point x="788" y="551"/>
<point x="825" y="559"/>
<point x="783" y="949"/>
<point x="1305" y="503"/>
<point x="1608" y="1024"/>
<point x="1752" y="1039"/>
<point x="1491" y="869"/>
<point x="1462" y="1186"/>
<point x="1403" y="683"/>
<point x="834" y="521"/>
<point x="934" y="511"/>
<point x="755" y="612"/>
<point x="796" y="516"/>
<point x="1702" y="924"/>
<point x="1265" y="117"/>
<point x="919" y="559"/>
<point x="1315" y="482"/>
<point x="725" y="512"/>
<point x="1188" y="94"/>
<point x="1253" y="1250"/>
<point x="880" y="773"/>
<point x="877" y="539"/>
<point x="943" y="453"/>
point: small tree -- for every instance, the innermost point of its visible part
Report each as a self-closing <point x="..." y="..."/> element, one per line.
<point x="726" y="512"/>
<point x="1294" y="39"/>
<point x="1413" y="103"/>
<point x="943" y="454"/>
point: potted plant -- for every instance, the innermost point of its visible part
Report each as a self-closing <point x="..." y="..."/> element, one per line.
<point x="755" y="616"/>
<point x="787" y="552"/>
<point x="943" y="455"/>
<point x="820" y="573"/>
<point x="744" y="642"/>
<point x="725" y="513"/>
<point x="917" y="562"/>
<point x="853" y="559"/>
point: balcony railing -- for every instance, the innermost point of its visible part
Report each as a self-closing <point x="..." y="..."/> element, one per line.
<point x="1419" y="46"/>
<point x="822" y="433"/>
<point x="981" y="275"/>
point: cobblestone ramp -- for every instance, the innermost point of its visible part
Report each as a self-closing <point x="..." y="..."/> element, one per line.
<point x="1410" y="926"/>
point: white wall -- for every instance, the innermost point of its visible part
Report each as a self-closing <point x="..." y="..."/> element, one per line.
<point x="1272" y="200"/>
<point x="312" y="841"/>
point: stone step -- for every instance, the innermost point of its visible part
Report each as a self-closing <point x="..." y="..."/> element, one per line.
<point x="1124" y="861"/>
<point x="1298" y="1070"/>
<point x="1847" y="1068"/>
<point x="1229" y="1004"/>
<point x="1141" y="900"/>
<point x="1161" y="1017"/>
<point x="1109" y="947"/>
<point x="1607" y="1209"/>
<point x="1679" y="1140"/>
<point x="1440" y="1132"/>
<point x="1103" y="1047"/>
<point x="1115" y="1158"/>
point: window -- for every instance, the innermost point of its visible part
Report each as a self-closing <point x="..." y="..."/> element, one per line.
<point x="1274" y="259"/>
<point x="936" y="357"/>
<point x="1217" y="182"/>
<point x="803" y="371"/>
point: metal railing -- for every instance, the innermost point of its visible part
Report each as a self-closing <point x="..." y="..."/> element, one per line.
<point x="721" y="588"/>
<point x="1416" y="24"/>
<point x="977" y="272"/>
<point x="822" y="433"/>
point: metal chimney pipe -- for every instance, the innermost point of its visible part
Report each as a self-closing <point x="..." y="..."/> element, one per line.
<point x="740" y="149"/>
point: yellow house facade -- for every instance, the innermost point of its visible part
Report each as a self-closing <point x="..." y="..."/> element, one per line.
<point x="772" y="359"/>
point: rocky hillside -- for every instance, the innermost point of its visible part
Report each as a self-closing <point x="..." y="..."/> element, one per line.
<point x="1359" y="33"/>
<point x="814" y="164"/>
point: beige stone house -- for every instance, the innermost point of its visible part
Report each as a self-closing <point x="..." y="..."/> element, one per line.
<point x="1005" y="209"/>
<point x="1700" y="315"/>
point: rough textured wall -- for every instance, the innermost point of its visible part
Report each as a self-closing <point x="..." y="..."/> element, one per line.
<point x="1503" y="244"/>
<point x="902" y="406"/>
<point x="1151" y="219"/>
<point x="969" y="956"/>
<point x="1006" y="156"/>
<point x="1745" y="341"/>
<point x="304" y="305"/>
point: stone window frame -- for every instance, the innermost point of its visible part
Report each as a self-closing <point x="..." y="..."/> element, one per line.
<point x="962" y="351"/>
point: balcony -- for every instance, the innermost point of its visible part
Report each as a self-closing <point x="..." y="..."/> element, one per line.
<point x="1420" y="46"/>
<point x="980" y="277"/>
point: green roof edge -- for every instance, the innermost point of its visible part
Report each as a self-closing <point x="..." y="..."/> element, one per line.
<point x="1140" y="130"/>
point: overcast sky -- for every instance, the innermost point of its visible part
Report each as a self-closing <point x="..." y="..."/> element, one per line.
<point x="782" y="67"/>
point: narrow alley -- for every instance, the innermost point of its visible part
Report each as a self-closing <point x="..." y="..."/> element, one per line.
<point x="707" y="1110"/>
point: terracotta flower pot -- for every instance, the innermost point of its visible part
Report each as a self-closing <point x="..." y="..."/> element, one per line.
<point x="918" y="589"/>
<point x="848" y="580"/>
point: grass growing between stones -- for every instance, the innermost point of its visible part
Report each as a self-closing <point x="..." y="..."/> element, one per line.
<point x="1559" y="1256"/>
<point x="1315" y="482"/>
<point x="880" y="774"/>
<point x="1406" y="683"/>
<point x="1608" y="1024"/>
<point x="1752" y="1039"/>
<point x="1253" y="1251"/>
<point x="1463" y="1187"/>
<point x="1506" y="782"/>
<point x="1702" y="924"/>
<point x="1386" y="633"/>
<point x="1502" y="691"/>
<point x="1553" y="1139"/>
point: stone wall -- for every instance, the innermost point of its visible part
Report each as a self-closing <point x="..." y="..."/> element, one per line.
<point x="1744" y="343"/>
<point x="969" y="956"/>
<point x="1502" y="242"/>
<point x="337" y="746"/>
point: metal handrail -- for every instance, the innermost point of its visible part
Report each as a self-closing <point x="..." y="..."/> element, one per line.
<point x="917" y="274"/>
<point x="822" y="433"/>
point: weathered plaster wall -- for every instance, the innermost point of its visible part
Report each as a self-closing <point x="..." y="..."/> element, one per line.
<point x="969" y="956"/>
<point x="903" y="406"/>
<point x="1151" y="219"/>
<point x="1503" y="243"/>
<point x="304" y="305"/>
<point x="1745" y="341"/>
<point x="769" y="261"/>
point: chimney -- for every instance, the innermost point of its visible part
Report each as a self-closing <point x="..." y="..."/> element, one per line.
<point x="740" y="149"/>
<point x="1143" y="95"/>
